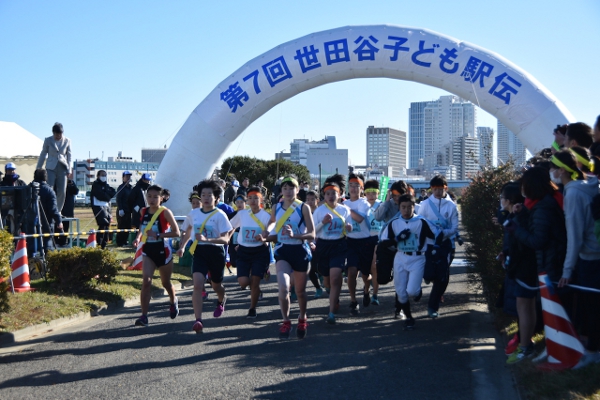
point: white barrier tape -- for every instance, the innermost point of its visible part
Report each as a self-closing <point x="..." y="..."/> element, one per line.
<point x="583" y="288"/>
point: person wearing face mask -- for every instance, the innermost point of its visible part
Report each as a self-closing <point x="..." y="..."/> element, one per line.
<point x="11" y="178"/>
<point x="101" y="194"/>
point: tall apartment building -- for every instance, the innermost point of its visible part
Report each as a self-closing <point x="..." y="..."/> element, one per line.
<point x="299" y="148"/>
<point x="488" y="150"/>
<point x="434" y="124"/>
<point x="509" y="145"/>
<point x="463" y="153"/>
<point x="386" y="149"/>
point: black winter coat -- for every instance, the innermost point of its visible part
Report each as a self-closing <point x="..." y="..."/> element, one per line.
<point x="543" y="229"/>
<point x="103" y="192"/>
<point x="123" y="193"/>
<point x="49" y="211"/>
<point x="137" y="198"/>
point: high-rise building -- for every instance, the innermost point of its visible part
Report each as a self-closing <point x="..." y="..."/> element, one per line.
<point x="299" y="148"/>
<point x="433" y="124"/>
<point x="463" y="153"/>
<point x="153" y="155"/>
<point x="386" y="149"/>
<point x="488" y="151"/>
<point x="509" y="145"/>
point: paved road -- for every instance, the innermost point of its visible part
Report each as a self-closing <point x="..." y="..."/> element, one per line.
<point x="364" y="357"/>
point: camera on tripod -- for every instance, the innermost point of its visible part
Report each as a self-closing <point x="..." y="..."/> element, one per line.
<point x="14" y="203"/>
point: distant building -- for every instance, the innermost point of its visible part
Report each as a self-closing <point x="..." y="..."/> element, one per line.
<point x="386" y="150"/>
<point x="332" y="161"/>
<point x="509" y="145"/>
<point x="488" y="150"/>
<point x="153" y="155"/>
<point x="84" y="171"/>
<point x="299" y="148"/>
<point x="434" y="124"/>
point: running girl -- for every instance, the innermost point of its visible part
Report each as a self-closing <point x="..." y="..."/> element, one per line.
<point x="293" y="224"/>
<point x="252" y="251"/>
<point x="211" y="232"/>
<point x="375" y="226"/>
<point x="157" y="224"/>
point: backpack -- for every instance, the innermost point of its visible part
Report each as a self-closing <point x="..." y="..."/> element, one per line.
<point x="386" y="251"/>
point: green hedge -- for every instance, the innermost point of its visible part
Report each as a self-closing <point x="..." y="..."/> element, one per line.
<point x="6" y="250"/>
<point x="77" y="269"/>
<point x="479" y="204"/>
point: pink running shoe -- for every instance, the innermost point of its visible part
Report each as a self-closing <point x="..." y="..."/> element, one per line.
<point x="220" y="308"/>
<point x="512" y="345"/>
<point x="198" y="326"/>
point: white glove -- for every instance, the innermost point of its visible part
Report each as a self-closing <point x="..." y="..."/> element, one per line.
<point x="137" y="208"/>
<point x="121" y="213"/>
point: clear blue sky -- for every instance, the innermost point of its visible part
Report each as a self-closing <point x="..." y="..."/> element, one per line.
<point x="122" y="75"/>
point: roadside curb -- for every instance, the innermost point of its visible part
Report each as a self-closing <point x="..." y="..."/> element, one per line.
<point x="10" y="338"/>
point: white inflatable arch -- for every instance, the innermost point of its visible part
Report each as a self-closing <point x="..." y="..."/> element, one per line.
<point x="499" y="87"/>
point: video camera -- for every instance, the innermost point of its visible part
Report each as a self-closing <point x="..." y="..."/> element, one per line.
<point x="14" y="202"/>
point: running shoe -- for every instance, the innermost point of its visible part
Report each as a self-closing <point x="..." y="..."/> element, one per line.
<point x="512" y="345"/>
<point x="409" y="324"/>
<point x="251" y="313"/>
<point x="354" y="308"/>
<point x="520" y="354"/>
<point x="331" y="319"/>
<point x="198" y="326"/>
<point x="204" y="295"/>
<point x="374" y="300"/>
<point x="142" y="321"/>
<point x="220" y="308"/>
<point x="285" y="329"/>
<point x="301" y="328"/>
<point x="399" y="314"/>
<point x="318" y="293"/>
<point x="432" y="313"/>
<point x="418" y="297"/>
<point x="293" y="296"/>
<point x="174" y="309"/>
<point x="366" y="299"/>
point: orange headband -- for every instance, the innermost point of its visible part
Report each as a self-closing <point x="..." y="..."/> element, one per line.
<point x="357" y="180"/>
<point x="259" y="194"/>
<point x="395" y="192"/>
<point x="331" y="187"/>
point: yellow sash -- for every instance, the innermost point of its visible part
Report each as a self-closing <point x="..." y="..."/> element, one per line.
<point x="286" y="215"/>
<point x="195" y="243"/>
<point x="260" y="224"/>
<point x="152" y="221"/>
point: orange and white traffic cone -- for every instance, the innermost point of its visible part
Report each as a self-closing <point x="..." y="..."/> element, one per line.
<point x="91" y="240"/>
<point x="562" y="343"/>
<point x="20" y="267"/>
<point x="138" y="260"/>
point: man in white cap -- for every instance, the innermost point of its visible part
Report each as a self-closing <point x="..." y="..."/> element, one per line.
<point x="58" y="165"/>
<point x="11" y="178"/>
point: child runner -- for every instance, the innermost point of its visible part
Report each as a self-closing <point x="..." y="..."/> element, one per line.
<point x="361" y="244"/>
<point x="195" y="201"/>
<point x="157" y="223"/>
<point x="375" y="226"/>
<point x="312" y="200"/>
<point x="333" y="222"/>
<point x="252" y="251"/>
<point x="211" y="232"/>
<point x="291" y="224"/>
<point x="411" y="232"/>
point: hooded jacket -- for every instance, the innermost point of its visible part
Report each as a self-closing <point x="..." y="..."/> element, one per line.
<point x="581" y="241"/>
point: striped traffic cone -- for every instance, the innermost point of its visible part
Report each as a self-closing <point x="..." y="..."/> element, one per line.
<point x="91" y="240"/>
<point x="563" y="346"/>
<point x="20" y="267"/>
<point x="138" y="260"/>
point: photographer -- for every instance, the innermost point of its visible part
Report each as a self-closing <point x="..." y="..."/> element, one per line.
<point x="101" y="194"/>
<point x="49" y="211"/>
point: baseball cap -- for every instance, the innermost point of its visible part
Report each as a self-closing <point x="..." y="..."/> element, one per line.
<point x="126" y="173"/>
<point x="147" y="177"/>
<point x="235" y="183"/>
<point x="10" y="166"/>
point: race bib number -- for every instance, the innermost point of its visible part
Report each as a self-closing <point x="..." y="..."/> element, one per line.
<point x="374" y="225"/>
<point x="355" y="226"/>
<point x="208" y="231"/>
<point x="409" y="245"/>
<point x="334" y="229"/>
<point x="154" y="229"/>
<point x="248" y="234"/>
<point x="283" y="238"/>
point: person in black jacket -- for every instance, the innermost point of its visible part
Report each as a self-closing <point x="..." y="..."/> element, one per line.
<point x="137" y="198"/>
<point x="11" y="178"/>
<point x="101" y="194"/>
<point x="68" y="210"/>
<point x="49" y="212"/>
<point x="124" y="212"/>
